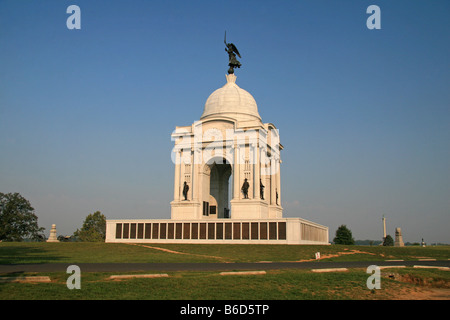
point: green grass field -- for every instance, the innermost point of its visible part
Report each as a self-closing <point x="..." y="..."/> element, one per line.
<point x="85" y="252"/>
<point x="408" y="283"/>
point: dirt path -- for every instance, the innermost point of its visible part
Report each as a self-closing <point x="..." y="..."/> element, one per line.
<point x="420" y="293"/>
<point x="423" y="289"/>
<point x="221" y="259"/>
<point x="327" y="256"/>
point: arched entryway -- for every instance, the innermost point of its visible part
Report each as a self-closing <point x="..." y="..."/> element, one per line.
<point x="219" y="188"/>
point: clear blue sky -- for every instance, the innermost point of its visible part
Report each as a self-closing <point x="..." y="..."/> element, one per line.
<point x="364" y="115"/>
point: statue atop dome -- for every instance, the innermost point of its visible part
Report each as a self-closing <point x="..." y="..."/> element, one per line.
<point x="232" y="52"/>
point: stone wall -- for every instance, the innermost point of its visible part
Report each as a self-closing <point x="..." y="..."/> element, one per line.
<point x="271" y="231"/>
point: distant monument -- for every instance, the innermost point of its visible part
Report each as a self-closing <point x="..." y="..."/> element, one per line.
<point x="52" y="237"/>
<point x="398" y="238"/>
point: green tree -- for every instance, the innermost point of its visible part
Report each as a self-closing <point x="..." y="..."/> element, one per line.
<point x="94" y="228"/>
<point x="388" y="241"/>
<point x="17" y="219"/>
<point x="343" y="236"/>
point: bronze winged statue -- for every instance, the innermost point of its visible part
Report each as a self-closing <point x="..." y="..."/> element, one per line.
<point x="232" y="52"/>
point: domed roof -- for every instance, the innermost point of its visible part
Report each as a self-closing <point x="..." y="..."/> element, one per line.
<point x="231" y="101"/>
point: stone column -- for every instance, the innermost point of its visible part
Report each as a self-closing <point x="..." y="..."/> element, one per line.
<point x="272" y="180"/>
<point x="176" y="188"/>
<point x="263" y="173"/>
<point x="236" y="175"/>
<point x="278" y="186"/>
<point x="196" y="174"/>
<point x="192" y="175"/>
<point x="256" y="172"/>
<point x="230" y="149"/>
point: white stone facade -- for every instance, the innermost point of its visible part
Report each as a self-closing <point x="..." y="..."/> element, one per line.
<point x="215" y="155"/>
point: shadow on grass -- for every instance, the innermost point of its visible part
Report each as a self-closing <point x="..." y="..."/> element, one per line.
<point x="9" y="275"/>
<point x="24" y="253"/>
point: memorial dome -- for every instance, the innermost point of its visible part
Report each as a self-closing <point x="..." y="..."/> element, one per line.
<point x="231" y="101"/>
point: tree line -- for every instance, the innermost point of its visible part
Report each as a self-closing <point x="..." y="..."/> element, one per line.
<point x="344" y="236"/>
<point x="19" y="222"/>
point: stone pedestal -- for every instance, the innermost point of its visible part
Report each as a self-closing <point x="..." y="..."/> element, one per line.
<point x="185" y="210"/>
<point x="52" y="237"/>
<point x="249" y="209"/>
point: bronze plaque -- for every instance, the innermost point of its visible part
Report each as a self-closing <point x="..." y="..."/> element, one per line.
<point x="155" y="231"/>
<point x="254" y="231"/>
<point x="202" y="230"/>
<point x="263" y="230"/>
<point x="245" y="231"/>
<point x="118" y="231"/>
<point x="140" y="231"/>
<point x="228" y="234"/>
<point x="148" y="231"/>
<point x="170" y="231"/>
<point x="178" y="230"/>
<point x="272" y="230"/>
<point x="187" y="231"/>
<point x="211" y="231"/>
<point x="133" y="231"/>
<point x="219" y="231"/>
<point x="236" y="231"/>
<point x="194" y="231"/>
<point x="281" y="230"/>
<point x="126" y="230"/>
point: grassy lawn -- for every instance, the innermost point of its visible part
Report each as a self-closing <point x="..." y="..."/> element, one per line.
<point x="275" y="285"/>
<point x="79" y="252"/>
<point x="86" y="252"/>
<point x="407" y="283"/>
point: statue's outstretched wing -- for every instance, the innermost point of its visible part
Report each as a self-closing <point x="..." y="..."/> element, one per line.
<point x="235" y="49"/>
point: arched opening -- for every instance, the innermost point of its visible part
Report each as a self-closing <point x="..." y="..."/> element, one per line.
<point x="219" y="188"/>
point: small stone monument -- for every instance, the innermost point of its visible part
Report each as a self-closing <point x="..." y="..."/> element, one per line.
<point x="52" y="237"/>
<point x="398" y="238"/>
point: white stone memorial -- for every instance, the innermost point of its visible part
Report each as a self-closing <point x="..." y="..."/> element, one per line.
<point x="398" y="238"/>
<point x="52" y="237"/>
<point x="215" y="155"/>
<point x="226" y="182"/>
